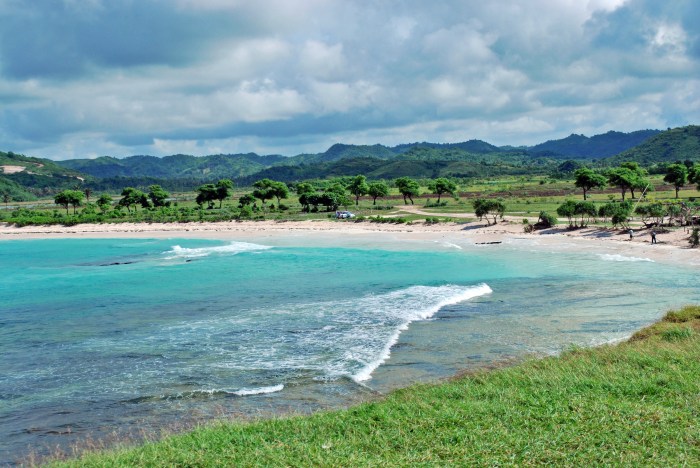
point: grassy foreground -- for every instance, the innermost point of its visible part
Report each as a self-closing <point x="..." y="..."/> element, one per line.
<point x="635" y="403"/>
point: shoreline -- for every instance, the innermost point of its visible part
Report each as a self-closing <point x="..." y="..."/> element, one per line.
<point x="672" y="246"/>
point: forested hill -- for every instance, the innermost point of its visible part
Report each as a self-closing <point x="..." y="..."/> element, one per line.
<point x="473" y="158"/>
<point x="595" y="147"/>
<point x="676" y="144"/>
<point x="19" y="172"/>
<point x="179" y="166"/>
<point x="241" y="166"/>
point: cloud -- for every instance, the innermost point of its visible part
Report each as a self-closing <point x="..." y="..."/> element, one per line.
<point x="124" y="77"/>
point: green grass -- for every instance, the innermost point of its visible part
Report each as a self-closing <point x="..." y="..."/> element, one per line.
<point x="523" y="197"/>
<point x="633" y="404"/>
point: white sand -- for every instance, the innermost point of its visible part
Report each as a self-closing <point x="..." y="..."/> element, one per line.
<point x="672" y="247"/>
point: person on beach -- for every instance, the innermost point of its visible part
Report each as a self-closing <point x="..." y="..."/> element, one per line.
<point x="653" y="237"/>
<point x="631" y="232"/>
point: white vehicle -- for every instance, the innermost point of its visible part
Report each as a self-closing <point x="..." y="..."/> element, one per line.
<point x="344" y="215"/>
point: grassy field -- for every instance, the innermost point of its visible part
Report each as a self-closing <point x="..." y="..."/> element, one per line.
<point x="632" y="404"/>
<point x="524" y="197"/>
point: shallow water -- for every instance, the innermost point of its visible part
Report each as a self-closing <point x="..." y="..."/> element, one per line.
<point x="105" y="335"/>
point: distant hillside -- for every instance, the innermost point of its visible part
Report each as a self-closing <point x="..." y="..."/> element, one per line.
<point x="419" y="162"/>
<point x="473" y="158"/>
<point x="676" y="144"/>
<point x="179" y="166"/>
<point x="24" y="177"/>
<point x="12" y="191"/>
<point x="12" y="163"/>
<point x="596" y="147"/>
<point x="471" y="146"/>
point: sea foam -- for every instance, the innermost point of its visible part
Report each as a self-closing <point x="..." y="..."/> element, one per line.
<point x="421" y="303"/>
<point x="229" y="249"/>
<point x="258" y="391"/>
<point x="623" y="258"/>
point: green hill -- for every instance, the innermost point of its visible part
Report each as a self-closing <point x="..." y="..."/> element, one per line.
<point x="473" y="158"/>
<point x="24" y="178"/>
<point x="596" y="147"/>
<point x="471" y="146"/>
<point x="676" y="144"/>
<point x="13" y="163"/>
<point x="13" y="191"/>
<point x="179" y="166"/>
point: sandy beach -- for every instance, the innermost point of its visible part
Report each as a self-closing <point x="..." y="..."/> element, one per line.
<point x="672" y="246"/>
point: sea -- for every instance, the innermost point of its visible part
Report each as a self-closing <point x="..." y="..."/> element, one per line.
<point x="105" y="340"/>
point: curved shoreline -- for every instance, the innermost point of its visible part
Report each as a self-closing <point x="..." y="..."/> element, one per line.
<point x="672" y="247"/>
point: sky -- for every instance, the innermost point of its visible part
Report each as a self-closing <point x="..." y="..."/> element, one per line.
<point x="88" y="78"/>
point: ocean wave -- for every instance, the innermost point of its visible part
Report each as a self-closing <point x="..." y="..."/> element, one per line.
<point x="322" y="341"/>
<point x="258" y="391"/>
<point x="229" y="249"/>
<point x="209" y="392"/>
<point x="429" y="301"/>
<point x="623" y="258"/>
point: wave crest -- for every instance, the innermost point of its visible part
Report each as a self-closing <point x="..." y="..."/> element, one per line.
<point x="230" y="249"/>
<point x="432" y="299"/>
<point x="623" y="258"/>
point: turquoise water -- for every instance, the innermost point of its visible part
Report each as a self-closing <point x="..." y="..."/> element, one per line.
<point x="99" y="336"/>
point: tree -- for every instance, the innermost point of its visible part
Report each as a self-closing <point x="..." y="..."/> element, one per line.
<point x="6" y="198"/>
<point x="279" y="190"/>
<point x="676" y="175"/>
<point x="62" y="199"/>
<point x="306" y="199"/>
<point x="485" y="207"/>
<point x="358" y="187"/>
<point x="207" y="193"/>
<point x="585" y="210"/>
<point x="615" y="211"/>
<point x="158" y="195"/>
<point x="639" y="180"/>
<point x="656" y="210"/>
<point x="69" y="197"/>
<point x="694" y="175"/>
<point x="246" y="200"/>
<point x="104" y="202"/>
<point x="408" y="187"/>
<point x="87" y="191"/>
<point x="304" y="187"/>
<point x="587" y="179"/>
<point x="223" y="190"/>
<point x="442" y="185"/>
<point x="568" y="210"/>
<point x="133" y="197"/>
<point x="377" y="190"/>
<point x="334" y="196"/>
<point x="264" y="190"/>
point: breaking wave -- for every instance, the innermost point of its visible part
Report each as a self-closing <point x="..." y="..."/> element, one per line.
<point x="230" y="249"/>
<point x="623" y="258"/>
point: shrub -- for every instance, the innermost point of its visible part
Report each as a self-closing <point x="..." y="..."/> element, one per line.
<point x="430" y="204"/>
<point x="694" y="238"/>
<point x="545" y="220"/>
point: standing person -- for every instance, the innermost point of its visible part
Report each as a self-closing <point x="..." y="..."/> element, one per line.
<point x="653" y="237"/>
<point x="631" y="232"/>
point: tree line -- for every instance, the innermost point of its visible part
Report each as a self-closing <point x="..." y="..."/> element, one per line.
<point x="629" y="176"/>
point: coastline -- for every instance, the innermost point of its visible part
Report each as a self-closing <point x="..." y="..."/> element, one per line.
<point x="673" y="246"/>
<point x="444" y="236"/>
